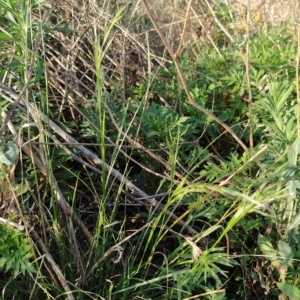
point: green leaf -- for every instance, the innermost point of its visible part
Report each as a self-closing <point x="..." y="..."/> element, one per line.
<point x="289" y="290"/>
<point x="64" y="29"/>
<point x="10" y="262"/>
<point x="285" y="253"/>
<point x="297" y="145"/>
<point x="267" y="248"/>
<point x="39" y="70"/>
<point x="292" y="187"/>
<point x="20" y="189"/>
<point x="294" y="223"/>
<point x="181" y="120"/>
<point x="291" y="156"/>
<point x="283" y="97"/>
<point x="3" y="261"/>
<point x="5" y="37"/>
<point x="13" y="65"/>
<point x="152" y="133"/>
<point x="9" y="154"/>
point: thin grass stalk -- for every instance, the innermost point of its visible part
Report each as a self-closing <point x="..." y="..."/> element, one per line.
<point x="247" y="65"/>
<point x="101" y="113"/>
<point x="297" y="81"/>
<point x="177" y="54"/>
<point x="102" y="236"/>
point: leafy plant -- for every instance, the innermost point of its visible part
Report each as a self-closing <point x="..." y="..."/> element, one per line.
<point x="16" y="252"/>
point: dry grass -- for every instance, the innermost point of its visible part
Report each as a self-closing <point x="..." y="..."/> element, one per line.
<point x="172" y="17"/>
<point x="272" y="12"/>
<point x="70" y="55"/>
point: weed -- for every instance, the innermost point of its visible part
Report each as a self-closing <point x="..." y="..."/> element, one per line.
<point x="143" y="158"/>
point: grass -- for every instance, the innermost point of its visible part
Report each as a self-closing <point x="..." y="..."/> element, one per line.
<point x="148" y="153"/>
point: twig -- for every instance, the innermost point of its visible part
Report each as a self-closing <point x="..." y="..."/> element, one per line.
<point x="74" y="245"/>
<point x="50" y="259"/>
<point x="153" y="196"/>
<point x="12" y="224"/>
<point x="247" y="65"/>
<point x="184" y="30"/>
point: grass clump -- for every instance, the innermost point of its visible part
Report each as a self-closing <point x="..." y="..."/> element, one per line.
<point x="146" y="157"/>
